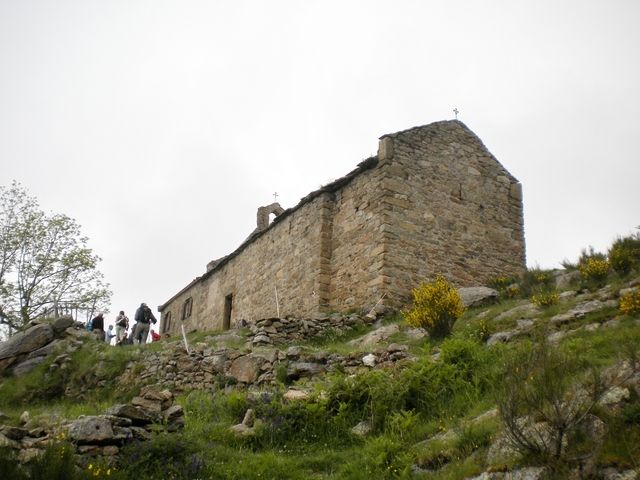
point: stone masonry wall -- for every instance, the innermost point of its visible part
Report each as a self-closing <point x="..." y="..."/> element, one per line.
<point x="451" y="209"/>
<point x="285" y="256"/>
<point x="356" y="259"/>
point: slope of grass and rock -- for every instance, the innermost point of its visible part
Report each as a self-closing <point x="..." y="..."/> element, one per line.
<point x="539" y="378"/>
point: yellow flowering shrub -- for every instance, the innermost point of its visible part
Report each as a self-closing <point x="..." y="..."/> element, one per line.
<point x="507" y="286"/>
<point x="512" y="291"/>
<point x="630" y="303"/>
<point x="545" y="299"/>
<point x="436" y="307"/>
<point x="594" y="268"/>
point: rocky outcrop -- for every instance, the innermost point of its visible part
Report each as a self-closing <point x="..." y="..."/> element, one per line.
<point x="102" y="435"/>
<point x="478" y="296"/>
<point x="375" y="337"/>
<point x="581" y="310"/>
<point x="25" y="350"/>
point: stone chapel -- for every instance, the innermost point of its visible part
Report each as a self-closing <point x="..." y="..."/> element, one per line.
<point x="433" y="201"/>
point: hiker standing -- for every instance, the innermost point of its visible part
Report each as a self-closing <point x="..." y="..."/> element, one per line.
<point x="143" y="317"/>
<point x="109" y="335"/>
<point x="122" y="325"/>
<point x="97" y="326"/>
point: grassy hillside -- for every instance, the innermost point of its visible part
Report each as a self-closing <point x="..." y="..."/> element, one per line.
<point x="557" y="353"/>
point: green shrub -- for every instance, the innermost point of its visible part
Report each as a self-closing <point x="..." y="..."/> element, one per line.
<point x="298" y="423"/>
<point x="379" y="458"/>
<point x="535" y="280"/>
<point x="371" y="396"/>
<point x="9" y="466"/>
<point x="56" y="463"/>
<point x="543" y="385"/>
<point x="172" y="456"/>
<point x="594" y="267"/>
<point x="436" y="307"/>
<point x="624" y="254"/>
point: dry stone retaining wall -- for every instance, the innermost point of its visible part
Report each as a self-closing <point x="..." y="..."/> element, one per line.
<point x="211" y="365"/>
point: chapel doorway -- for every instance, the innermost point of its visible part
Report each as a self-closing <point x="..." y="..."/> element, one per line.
<point x="228" y="305"/>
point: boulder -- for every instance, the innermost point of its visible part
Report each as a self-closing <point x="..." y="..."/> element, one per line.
<point x="297" y="370"/>
<point x="478" y="296"/>
<point x="7" y="442"/>
<point x="154" y="392"/>
<point x="246" y="369"/>
<point x="137" y="415"/>
<point x="369" y="360"/>
<point x="375" y="337"/>
<point x="262" y="338"/>
<point x="91" y="430"/>
<point x="526" y="310"/>
<point x="500" y="337"/>
<point x="215" y="362"/>
<point x="27" y="341"/>
<point x="172" y="413"/>
<point x="61" y="324"/>
<point x="295" y="395"/>
<point x="26" y="366"/>
<point x="44" y="351"/>
<point x="564" y="279"/>
<point x="362" y="429"/>
<point x="581" y="310"/>
<point x="140" y="433"/>
<point x="14" y="433"/>
<point x="615" y="396"/>
<point x="245" y="428"/>
<point x="24" y="417"/>
<point x="150" y="406"/>
<point x="613" y="474"/>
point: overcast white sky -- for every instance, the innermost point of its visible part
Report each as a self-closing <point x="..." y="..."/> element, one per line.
<point x="161" y="126"/>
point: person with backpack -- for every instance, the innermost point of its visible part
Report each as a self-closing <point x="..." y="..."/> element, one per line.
<point x="122" y="325"/>
<point x="143" y="317"/>
<point x="97" y="326"/>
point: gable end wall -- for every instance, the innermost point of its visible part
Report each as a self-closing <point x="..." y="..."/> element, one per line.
<point x="452" y="209"/>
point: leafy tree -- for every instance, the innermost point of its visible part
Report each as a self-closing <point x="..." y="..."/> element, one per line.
<point x="44" y="261"/>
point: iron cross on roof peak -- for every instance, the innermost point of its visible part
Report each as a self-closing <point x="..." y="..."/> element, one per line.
<point x="456" y="111"/>
<point x="275" y="196"/>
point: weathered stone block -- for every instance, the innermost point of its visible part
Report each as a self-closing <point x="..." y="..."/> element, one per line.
<point x="93" y="430"/>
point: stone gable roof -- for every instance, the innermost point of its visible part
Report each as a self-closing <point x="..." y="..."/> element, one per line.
<point x="449" y="125"/>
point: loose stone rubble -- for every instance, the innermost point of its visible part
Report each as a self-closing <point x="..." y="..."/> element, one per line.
<point x="100" y="435"/>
